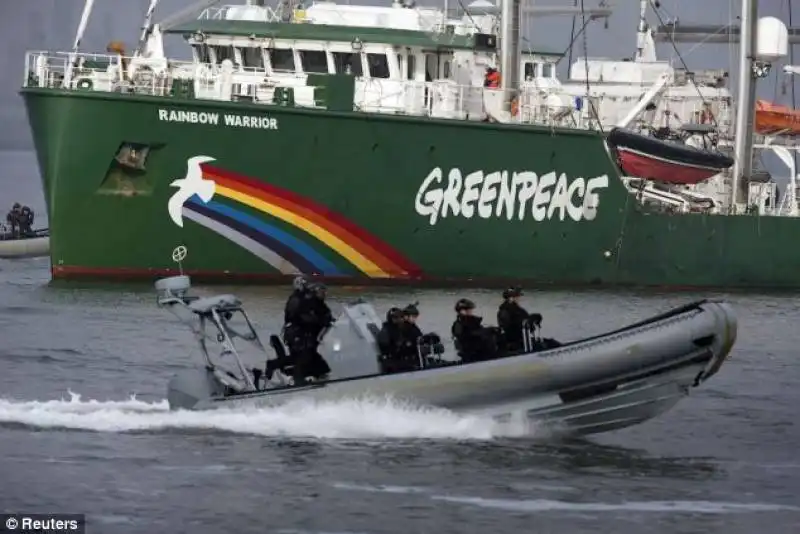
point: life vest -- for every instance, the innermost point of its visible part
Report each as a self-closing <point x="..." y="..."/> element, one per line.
<point x="493" y="79"/>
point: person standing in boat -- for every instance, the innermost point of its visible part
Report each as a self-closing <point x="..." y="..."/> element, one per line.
<point x="25" y="221"/>
<point x="299" y="290"/>
<point x="474" y="341"/>
<point x="314" y="318"/>
<point x="13" y="219"/>
<point x="512" y="318"/>
<point x="291" y="332"/>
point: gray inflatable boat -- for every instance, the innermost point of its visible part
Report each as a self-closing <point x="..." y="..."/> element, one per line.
<point x="592" y="385"/>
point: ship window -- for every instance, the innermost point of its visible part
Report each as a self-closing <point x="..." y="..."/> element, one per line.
<point x="251" y="57"/>
<point x="411" y="66"/>
<point x="223" y="53"/>
<point x="547" y="70"/>
<point x="431" y="66"/>
<point x="314" y="61"/>
<point x="342" y="61"/>
<point x="378" y="65"/>
<point x="530" y="70"/>
<point x="282" y="60"/>
<point x="202" y="54"/>
<point x="446" y="70"/>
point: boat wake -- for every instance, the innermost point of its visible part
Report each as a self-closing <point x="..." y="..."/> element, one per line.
<point x="357" y="418"/>
<point x="541" y="505"/>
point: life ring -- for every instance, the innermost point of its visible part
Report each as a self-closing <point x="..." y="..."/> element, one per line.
<point x="514" y="107"/>
<point x="85" y="83"/>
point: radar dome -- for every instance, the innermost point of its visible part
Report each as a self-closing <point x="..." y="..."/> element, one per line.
<point x="773" y="39"/>
<point x="481" y="7"/>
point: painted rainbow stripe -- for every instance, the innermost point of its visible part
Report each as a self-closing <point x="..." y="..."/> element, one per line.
<point x="286" y="253"/>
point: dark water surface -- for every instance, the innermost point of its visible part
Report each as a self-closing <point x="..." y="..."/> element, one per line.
<point x="724" y="460"/>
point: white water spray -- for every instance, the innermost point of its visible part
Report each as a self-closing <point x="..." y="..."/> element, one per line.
<point x="357" y="418"/>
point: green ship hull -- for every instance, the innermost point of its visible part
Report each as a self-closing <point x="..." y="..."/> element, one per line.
<point x="351" y="197"/>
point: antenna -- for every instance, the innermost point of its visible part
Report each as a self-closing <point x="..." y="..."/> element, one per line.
<point x="178" y="255"/>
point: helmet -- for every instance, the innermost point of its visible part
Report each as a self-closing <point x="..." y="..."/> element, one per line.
<point x="411" y="311"/>
<point x="316" y="290"/>
<point x="512" y="292"/>
<point x="318" y="287"/>
<point x="300" y="283"/>
<point x="393" y="314"/>
<point x="464" y="304"/>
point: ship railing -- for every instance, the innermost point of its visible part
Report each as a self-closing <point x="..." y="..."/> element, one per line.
<point x="552" y="107"/>
<point x="104" y="72"/>
<point x="162" y="77"/>
<point x="444" y="99"/>
<point x="64" y="70"/>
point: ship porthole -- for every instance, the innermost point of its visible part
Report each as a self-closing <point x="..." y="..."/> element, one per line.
<point x="84" y="83"/>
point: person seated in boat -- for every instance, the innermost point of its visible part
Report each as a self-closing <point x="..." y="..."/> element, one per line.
<point x="13" y="218"/>
<point x="314" y="318"/>
<point x="392" y="358"/>
<point x="409" y="328"/>
<point x="26" y="221"/>
<point x="474" y="342"/>
<point x="513" y="318"/>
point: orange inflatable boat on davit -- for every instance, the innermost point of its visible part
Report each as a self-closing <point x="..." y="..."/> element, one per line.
<point x="774" y="119"/>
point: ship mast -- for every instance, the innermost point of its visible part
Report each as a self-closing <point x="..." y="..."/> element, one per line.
<point x="641" y="33"/>
<point x="509" y="49"/>
<point x="743" y="151"/>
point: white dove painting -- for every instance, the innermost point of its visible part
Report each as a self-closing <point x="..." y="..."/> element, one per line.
<point x="192" y="184"/>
